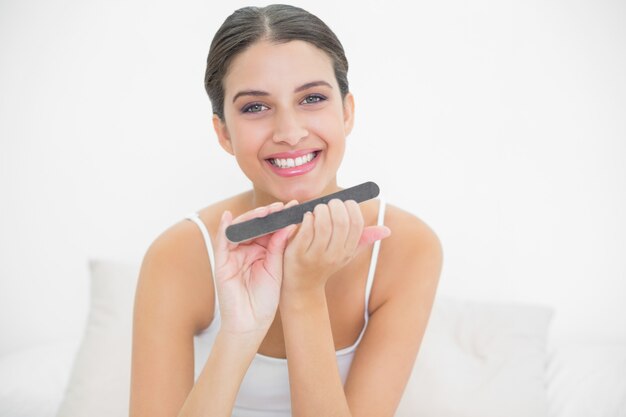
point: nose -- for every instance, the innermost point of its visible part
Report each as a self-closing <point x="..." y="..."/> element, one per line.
<point x="288" y="128"/>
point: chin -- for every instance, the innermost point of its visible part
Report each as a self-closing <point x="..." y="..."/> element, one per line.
<point x="301" y="192"/>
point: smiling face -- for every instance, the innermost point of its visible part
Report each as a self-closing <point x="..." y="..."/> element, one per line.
<point x="284" y="120"/>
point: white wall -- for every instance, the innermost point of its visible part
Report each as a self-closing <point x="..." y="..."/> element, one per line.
<point x="500" y="123"/>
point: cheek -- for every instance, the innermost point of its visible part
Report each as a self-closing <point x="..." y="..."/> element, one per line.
<point x="248" y="137"/>
<point x="328" y="125"/>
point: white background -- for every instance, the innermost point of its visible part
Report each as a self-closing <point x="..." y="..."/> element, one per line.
<point x="500" y="123"/>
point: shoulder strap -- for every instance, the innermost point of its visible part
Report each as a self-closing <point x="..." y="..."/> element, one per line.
<point x="207" y="240"/>
<point x="373" y="261"/>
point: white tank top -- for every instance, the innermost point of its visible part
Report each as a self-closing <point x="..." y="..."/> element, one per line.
<point x="264" y="391"/>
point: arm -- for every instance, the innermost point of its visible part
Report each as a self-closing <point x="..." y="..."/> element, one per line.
<point x="163" y="359"/>
<point x="166" y="316"/>
<point x="316" y="387"/>
<point x="327" y="240"/>
<point x="216" y="388"/>
<point x="404" y="299"/>
<point x="391" y="341"/>
<point x="248" y="278"/>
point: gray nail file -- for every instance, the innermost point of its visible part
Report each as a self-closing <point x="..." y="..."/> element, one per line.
<point x="260" y="226"/>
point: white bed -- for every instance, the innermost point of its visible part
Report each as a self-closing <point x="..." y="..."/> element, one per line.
<point x="477" y="359"/>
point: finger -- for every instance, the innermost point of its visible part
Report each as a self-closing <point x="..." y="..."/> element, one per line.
<point x="256" y="213"/>
<point x="304" y="234"/>
<point x="322" y="228"/>
<point x="274" y="207"/>
<point x="292" y="230"/>
<point x="259" y="212"/>
<point x="356" y="225"/>
<point x="340" y="226"/>
<point x="373" y="233"/>
<point x="273" y="262"/>
<point x="265" y="239"/>
<point x="278" y="242"/>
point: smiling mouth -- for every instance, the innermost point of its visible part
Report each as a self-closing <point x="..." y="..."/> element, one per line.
<point x="285" y="163"/>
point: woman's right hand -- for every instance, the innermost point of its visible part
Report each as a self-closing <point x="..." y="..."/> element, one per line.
<point x="248" y="275"/>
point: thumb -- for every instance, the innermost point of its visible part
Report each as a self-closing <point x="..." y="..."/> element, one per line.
<point x="276" y="248"/>
<point x="373" y="233"/>
<point x="279" y="239"/>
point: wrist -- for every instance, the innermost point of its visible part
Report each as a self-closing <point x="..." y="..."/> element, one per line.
<point x="306" y="284"/>
<point x="241" y="342"/>
<point x="302" y="299"/>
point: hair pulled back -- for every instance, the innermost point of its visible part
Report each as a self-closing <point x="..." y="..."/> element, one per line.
<point x="277" y="23"/>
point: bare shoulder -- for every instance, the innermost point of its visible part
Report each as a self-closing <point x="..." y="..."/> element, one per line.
<point x="409" y="232"/>
<point x="176" y="270"/>
<point x="174" y="274"/>
<point x="410" y="260"/>
<point x="173" y="302"/>
<point x="406" y="278"/>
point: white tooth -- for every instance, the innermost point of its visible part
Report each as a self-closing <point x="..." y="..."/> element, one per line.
<point x="290" y="163"/>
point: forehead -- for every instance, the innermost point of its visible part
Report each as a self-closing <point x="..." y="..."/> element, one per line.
<point x="270" y="66"/>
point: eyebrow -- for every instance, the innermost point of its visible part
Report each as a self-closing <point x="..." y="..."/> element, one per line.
<point x="258" y="93"/>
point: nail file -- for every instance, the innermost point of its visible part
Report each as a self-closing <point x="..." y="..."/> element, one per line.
<point x="250" y="229"/>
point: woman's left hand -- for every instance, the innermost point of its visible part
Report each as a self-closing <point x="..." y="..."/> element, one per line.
<point x="327" y="240"/>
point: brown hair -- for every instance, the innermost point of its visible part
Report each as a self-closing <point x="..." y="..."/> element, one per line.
<point x="276" y="23"/>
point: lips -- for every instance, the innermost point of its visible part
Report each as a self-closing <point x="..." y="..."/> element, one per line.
<point x="293" y="161"/>
<point x="289" y="164"/>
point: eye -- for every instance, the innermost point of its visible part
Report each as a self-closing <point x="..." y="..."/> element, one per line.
<point x="313" y="98"/>
<point x="253" y="108"/>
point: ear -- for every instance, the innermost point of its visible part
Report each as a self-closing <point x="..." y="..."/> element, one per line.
<point x="348" y="113"/>
<point x="222" y="134"/>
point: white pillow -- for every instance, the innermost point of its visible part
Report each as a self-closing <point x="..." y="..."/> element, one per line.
<point x="480" y="359"/>
<point x="99" y="384"/>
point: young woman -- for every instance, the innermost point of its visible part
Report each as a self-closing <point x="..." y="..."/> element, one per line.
<point x="320" y="319"/>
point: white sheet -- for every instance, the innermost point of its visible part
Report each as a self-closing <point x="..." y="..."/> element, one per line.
<point x="587" y="379"/>
<point x="33" y="380"/>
